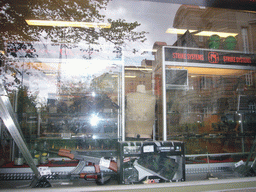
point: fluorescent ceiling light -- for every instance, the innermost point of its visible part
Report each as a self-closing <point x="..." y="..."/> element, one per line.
<point x="139" y="69"/>
<point x="126" y="76"/>
<point x="50" y="74"/>
<point x="148" y="50"/>
<point x="221" y="34"/>
<point x="67" y="24"/>
<point x="178" y="31"/>
<point x="200" y="33"/>
<point x="198" y="71"/>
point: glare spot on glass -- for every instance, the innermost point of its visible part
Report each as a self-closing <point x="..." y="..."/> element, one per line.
<point x="94" y="137"/>
<point x="94" y="120"/>
<point x="8" y="122"/>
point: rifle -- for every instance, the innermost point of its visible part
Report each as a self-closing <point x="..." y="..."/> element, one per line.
<point x="83" y="160"/>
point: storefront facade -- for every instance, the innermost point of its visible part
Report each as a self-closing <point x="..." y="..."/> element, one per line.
<point x="94" y="89"/>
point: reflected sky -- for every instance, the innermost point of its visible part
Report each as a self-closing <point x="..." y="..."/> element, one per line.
<point x="155" y="18"/>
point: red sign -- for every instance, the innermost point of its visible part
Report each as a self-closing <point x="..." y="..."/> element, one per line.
<point x="213" y="57"/>
<point x="229" y="59"/>
<point x="208" y="56"/>
<point x="195" y="57"/>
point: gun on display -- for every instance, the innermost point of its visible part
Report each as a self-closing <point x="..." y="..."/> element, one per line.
<point x="97" y="162"/>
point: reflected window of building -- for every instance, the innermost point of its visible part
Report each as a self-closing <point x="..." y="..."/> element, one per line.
<point x="244" y="33"/>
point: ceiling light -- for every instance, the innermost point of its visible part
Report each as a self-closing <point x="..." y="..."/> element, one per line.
<point x="200" y="33"/>
<point x="50" y="74"/>
<point x="221" y="34"/>
<point x="178" y="31"/>
<point x="126" y="76"/>
<point x="148" y="50"/>
<point x="139" y="69"/>
<point x="67" y="24"/>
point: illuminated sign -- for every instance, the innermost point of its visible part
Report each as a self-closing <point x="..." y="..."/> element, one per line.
<point x="213" y="57"/>
<point x="208" y="56"/>
<point x="197" y="57"/>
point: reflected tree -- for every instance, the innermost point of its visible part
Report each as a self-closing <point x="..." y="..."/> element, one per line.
<point x="14" y="28"/>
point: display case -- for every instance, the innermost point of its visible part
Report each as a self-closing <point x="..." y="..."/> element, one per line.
<point x="206" y="99"/>
<point x="65" y="102"/>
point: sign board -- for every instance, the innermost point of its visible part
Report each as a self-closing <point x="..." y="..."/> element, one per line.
<point x="208" y="56"/>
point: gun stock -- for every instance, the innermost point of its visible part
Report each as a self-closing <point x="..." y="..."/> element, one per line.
<point x="113" y="166"/>
<point x="66" y="154"/>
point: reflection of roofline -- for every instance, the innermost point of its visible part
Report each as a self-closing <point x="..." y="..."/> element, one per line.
<point x="187" y="35"/>
<point x="180" y="12"/>
<point x="157" y="45"/>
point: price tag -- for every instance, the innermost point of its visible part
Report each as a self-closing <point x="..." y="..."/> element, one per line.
<point x="148" y="148"/>
<point x="104" y="162"/>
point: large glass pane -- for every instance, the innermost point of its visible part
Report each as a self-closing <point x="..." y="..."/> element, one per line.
<point x="64" y="100"/>
<point x="208" y="101"/>
<point x="89" y="75"/>
<point x="207" y="114"/>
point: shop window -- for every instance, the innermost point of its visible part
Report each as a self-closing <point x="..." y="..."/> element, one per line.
<point x="70" y="73"/>
<point x="206" y="82"/>
<point x="244" y="33"/>
<point x="249" y="79"/>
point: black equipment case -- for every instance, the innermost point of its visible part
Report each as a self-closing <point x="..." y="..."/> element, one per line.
<point x="151" y="161"/>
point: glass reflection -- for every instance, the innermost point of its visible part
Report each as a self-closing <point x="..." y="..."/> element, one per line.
<point x="65" y="80"/>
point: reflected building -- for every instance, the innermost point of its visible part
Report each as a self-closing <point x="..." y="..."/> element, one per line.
<point x="138" y="75"/>
<point x="201" y="19"/>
